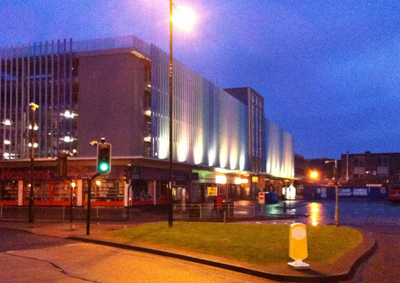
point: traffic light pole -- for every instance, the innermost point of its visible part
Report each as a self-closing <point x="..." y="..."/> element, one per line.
<point x="103" y="157"/>
<point x="89" y="199"/>
<point x="103" y="166"/>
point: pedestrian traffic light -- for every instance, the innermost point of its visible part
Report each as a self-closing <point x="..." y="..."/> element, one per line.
<point x="103" y="158"/>
<point x="128" y="174"/>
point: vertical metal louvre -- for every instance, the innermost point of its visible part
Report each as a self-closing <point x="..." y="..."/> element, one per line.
<point x="36" y="74"/>
<point x="199" y="127"/>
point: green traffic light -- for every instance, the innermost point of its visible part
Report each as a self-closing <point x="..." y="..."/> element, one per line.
<point x="104" y="167"/>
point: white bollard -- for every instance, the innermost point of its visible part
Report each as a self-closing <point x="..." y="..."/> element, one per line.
<point x="298" y="246"/>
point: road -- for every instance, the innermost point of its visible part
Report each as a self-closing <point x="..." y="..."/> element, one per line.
<point x="380" y="218"/>
<point x="21" y="240"/>
<point x="26" y="257"/>
<point x="384" y="265"/>
<point x="59" y="260"/>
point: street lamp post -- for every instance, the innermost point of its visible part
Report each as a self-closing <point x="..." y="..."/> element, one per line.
<point x="33" y="107"/>
<point x="71" y="202"/>
<point x="347" y="167"/>
<point x="170" y="211"/>
<point x="336" y="193"/>
<point x="185" y="20"/>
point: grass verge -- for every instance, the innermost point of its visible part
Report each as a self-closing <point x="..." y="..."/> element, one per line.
<point x="250" y="243"/>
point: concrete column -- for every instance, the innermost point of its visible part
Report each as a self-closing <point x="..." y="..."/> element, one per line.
<point x="126" y="194"/>
<point x="154" y="192"/>
<point x="79" y="192"/>
<point x="20" y="192"/>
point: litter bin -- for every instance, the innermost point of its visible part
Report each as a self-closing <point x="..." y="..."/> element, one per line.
<point x="268" y="197"/>
<point x="271" y="197"/>
<point x="274" y="197"/>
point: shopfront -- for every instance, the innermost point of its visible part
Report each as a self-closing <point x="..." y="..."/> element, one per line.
<point x="51" y="189"/>
<point x="149" y="185"/>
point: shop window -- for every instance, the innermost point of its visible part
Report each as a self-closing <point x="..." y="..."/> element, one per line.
<point x="41" y="192"/>
<point x="195" y="192"/>
<point x="233" y="192"/>
<point x="8" y="191"/>
<point x="61" y="191"/>
<point x="103" y="190"/>
<point x="141" y="190"/>
<point x="177" y="193"/>
<point x="162" y="190"/>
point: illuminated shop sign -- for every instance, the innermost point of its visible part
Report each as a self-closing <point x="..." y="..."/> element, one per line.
<point x="155" y="174"/>
<point x="7" y="174"/>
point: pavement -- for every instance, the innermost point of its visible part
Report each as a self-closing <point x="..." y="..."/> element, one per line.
<point x="342" y="269"/>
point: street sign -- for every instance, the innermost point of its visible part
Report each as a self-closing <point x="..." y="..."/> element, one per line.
<point x="212" y="191"/>
<point x="261" y="197"/>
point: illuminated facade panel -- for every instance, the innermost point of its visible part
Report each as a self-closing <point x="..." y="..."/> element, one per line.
<point x="273" y="148"/>
<point x="279" y="151"/>
<point x="287" y="163"/>
<point x="209" y="125"/>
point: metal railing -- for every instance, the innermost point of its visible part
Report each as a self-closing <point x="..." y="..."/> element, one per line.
<point x="227" y="210"/>
<point x="63" y="213"/>
<point x="236" y="210"/>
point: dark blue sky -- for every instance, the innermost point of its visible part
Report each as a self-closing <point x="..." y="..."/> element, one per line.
<point x="329" y="70"/>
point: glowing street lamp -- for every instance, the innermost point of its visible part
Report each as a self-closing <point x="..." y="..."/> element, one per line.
<point x="314" y="175"/>
<point x="184" y="19"/>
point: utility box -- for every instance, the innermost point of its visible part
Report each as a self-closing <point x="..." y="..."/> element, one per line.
<point x="219" y="201"/>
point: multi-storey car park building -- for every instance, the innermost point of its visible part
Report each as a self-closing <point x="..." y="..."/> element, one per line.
<point x="117" y="88"/>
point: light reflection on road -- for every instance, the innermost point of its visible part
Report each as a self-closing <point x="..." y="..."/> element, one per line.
<point x="351" y="212"/>
<point x="314" y="207"/>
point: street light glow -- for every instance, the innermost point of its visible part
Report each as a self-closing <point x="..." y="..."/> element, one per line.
<point x="184" y="18"/>
<point x="314" y="175"/>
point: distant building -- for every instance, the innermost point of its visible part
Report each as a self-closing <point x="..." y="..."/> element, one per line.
<point x="363" y="169"/>
<point x="299" y="167"/>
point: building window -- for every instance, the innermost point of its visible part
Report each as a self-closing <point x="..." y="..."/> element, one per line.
<point x="141" y="190"/>
<point x="61" y="191"/>
<point x="104" y="190"/>
<point x="8" y="191"/>
<point x="41" y="191"/>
